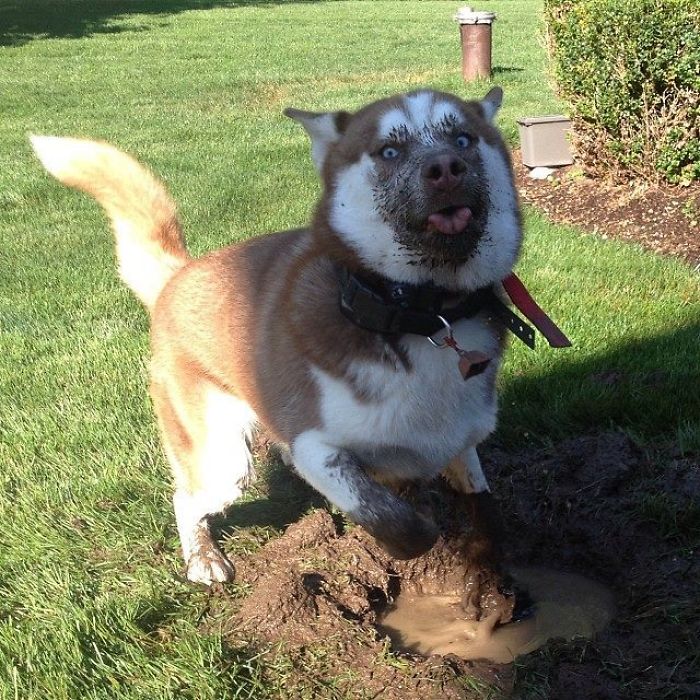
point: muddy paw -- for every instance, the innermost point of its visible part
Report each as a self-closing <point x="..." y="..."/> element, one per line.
<point x="209" y="566"/>
<point x="407" y="540"/>
<point x="525" y="607"/>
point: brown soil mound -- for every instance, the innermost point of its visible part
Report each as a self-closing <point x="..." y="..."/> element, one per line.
<point x="581" y="506"/>
<point x="318" y="582"/>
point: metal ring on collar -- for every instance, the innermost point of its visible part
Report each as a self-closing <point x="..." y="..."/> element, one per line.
<point x="448" y="328"/>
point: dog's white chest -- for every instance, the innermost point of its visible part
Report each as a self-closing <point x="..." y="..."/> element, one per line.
<point x="429" y="411"/>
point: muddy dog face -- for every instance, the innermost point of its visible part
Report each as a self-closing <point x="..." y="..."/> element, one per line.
<point x="420" y="187"/>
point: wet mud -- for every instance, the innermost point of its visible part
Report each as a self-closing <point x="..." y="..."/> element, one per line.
<point x="326" y="587"/>
<point x="563" y="606"/>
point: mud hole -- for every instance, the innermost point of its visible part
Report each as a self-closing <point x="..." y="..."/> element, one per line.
<point x="579" y="507"/>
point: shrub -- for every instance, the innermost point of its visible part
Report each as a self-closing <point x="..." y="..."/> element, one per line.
<point x="630" y="70"/>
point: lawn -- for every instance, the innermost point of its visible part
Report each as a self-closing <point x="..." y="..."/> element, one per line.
<point x="93" y="603"/>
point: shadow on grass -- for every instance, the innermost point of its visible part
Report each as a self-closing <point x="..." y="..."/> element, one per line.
<point x="285" y="499"/>
<point x="22" y="21"/>
<point x="505" y="70"/>
<point x="649" y="387"/>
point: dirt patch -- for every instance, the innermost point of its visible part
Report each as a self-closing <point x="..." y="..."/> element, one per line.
<point x="599" y="506"/>
<point x="321" y="587"/>
<point x="578" y="506"/>
<point x="663" y="219"/>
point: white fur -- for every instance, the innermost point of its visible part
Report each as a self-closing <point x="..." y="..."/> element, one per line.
<point x="419" y="108"/>
<point x="443" y="110"/>
<point x="429" y="410"/>
<point x="418" y="113"/>
<point x="325" y="133"/>
<point x="202" y="566"/>
<point x="322" y="130"/>
<point x="311" y="453"/>
<point x="59" y="155"/>
<point x="225" y="466"/>
<point x="499" y="247"/>
<point x="225" y="462"/>
<point x="392" y="120"/>
<point x="353" y="214"/>
<point x="146" y="274"/>
<point x="491" y="104"/>
<point x="187" y="518"/>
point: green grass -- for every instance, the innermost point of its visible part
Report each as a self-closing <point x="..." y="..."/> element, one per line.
<point x="92" y="600"/>
<point x="634" y="321"/>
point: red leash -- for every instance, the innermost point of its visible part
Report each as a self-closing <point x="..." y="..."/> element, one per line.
<point x="526" y="304"/>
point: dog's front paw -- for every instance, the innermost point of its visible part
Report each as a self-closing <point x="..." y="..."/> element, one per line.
<point x="209" y="565"/>
<point x="402" y="532"/>
<point x="410" y="540"/>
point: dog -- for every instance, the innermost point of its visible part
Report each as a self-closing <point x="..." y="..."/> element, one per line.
<point x="366" y="344"/>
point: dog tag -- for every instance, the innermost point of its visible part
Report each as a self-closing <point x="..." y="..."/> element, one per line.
<point x="471" y="363"/>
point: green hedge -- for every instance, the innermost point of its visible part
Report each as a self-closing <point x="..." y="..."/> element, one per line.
<point x="630" y="71"/>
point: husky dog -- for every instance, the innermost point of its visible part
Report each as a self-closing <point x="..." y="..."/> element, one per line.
<point x="322" y="334"/>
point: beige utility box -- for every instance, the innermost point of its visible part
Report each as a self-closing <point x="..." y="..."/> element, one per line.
<point x="543" y="141"/>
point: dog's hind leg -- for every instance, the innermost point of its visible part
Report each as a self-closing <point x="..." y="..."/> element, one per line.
<point x="465" y="473"/>
<point x="206" y="440"/>
<point x="285" y="454"/>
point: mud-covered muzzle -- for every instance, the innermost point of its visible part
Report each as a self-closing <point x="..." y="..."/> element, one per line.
<point x="436" y="203"/>
<point x="448" y="227"/>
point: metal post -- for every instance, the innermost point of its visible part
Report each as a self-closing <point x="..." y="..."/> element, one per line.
<point x="475" y="30"/>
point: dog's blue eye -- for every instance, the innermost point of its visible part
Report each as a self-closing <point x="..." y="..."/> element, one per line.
<point x="462" y="141"/>
<point x="389" y="153"/>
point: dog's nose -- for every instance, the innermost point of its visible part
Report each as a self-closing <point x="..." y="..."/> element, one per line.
<point x="444" y="172"/>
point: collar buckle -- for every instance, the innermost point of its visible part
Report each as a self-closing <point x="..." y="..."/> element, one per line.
<point x="367" y="309"/>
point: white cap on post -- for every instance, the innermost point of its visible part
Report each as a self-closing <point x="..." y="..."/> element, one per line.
<point x="465" y="15"/>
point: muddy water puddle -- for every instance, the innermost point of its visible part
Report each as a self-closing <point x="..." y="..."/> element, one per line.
<point x="566" y="606"/>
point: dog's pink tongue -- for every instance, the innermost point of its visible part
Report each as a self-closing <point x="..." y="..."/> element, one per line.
<point x="450" y="224"/>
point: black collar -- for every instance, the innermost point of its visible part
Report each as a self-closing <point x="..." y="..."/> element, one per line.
<point x="382" y="306"/>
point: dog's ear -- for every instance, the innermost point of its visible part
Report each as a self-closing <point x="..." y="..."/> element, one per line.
<point x="492" y="103"/>
<point x="324" y="128"/>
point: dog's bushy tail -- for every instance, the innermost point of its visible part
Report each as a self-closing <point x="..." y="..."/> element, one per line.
<point x="150" y="245"/>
